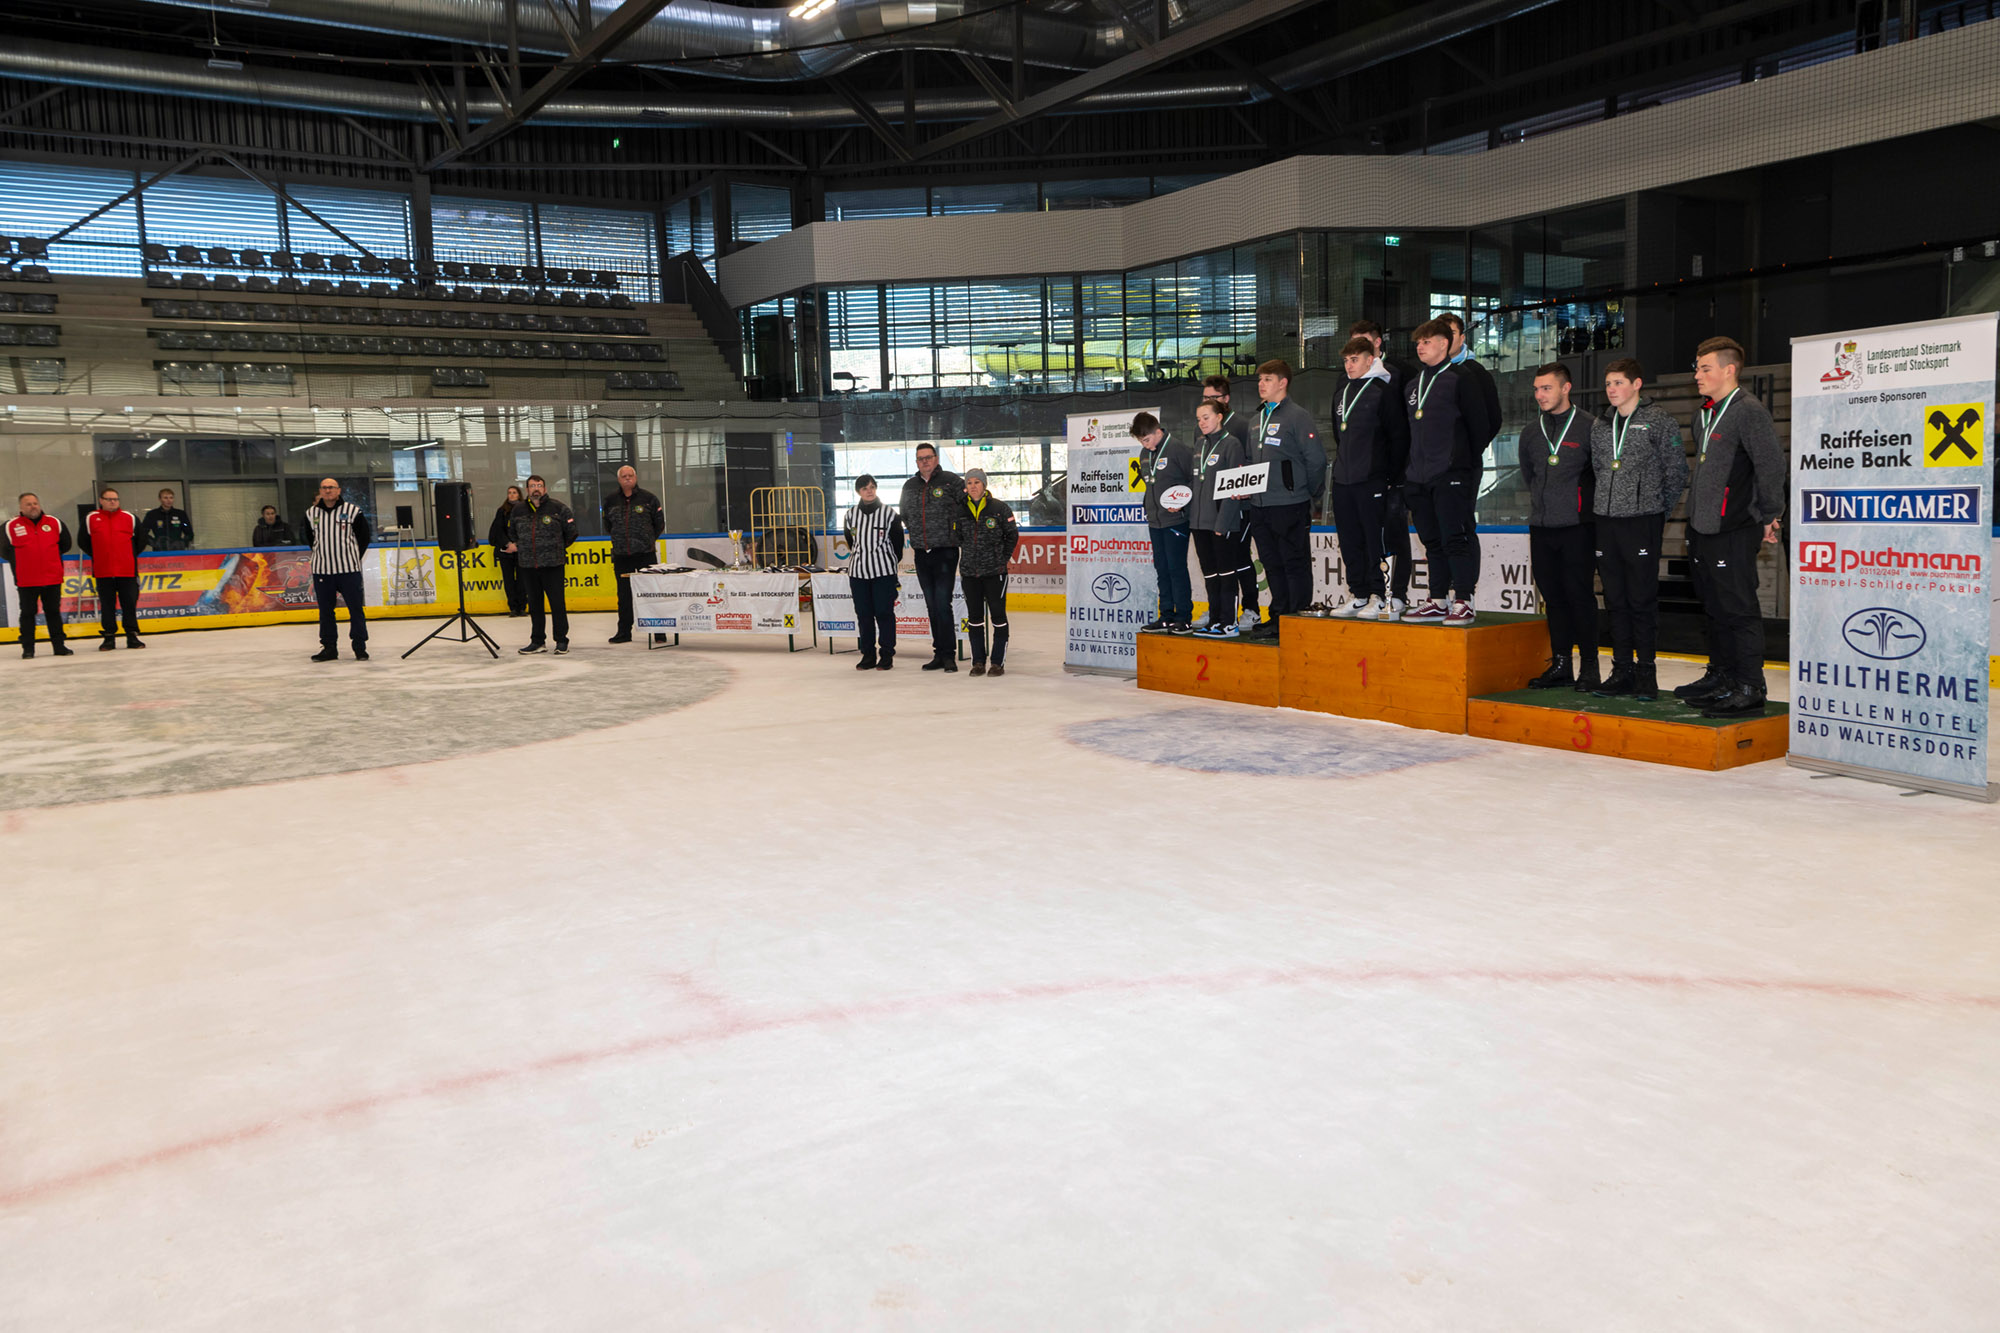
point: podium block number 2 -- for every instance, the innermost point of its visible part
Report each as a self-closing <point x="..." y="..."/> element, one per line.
<point x="1201" y="666"/>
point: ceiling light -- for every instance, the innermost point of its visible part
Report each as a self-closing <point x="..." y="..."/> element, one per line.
<point x="218" y="62"/>
<point x="156" y="445"/>
<point x="321" y="440"/>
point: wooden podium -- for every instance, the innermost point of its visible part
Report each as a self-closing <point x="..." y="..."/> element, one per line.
<point x="1418" y="675"/>
<point x="1236" y="671"/>
<point x="1664" y="731"/>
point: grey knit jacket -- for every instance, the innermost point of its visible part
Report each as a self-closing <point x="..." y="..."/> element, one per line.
<point x="1651" y="473"/>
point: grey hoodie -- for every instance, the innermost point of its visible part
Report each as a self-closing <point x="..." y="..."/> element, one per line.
<point x="1285" y="436"/>
<point x="1650" y="473"/>
<point x="1212" y="454"/>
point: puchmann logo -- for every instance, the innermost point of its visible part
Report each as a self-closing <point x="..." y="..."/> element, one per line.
<point x="1833" y="558"/>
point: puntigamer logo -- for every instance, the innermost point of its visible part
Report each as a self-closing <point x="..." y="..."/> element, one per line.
<point x="1949" y="505"/>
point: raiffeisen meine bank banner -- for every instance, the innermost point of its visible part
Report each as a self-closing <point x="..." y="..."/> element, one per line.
<point x="1891" y="511"/>
<point x="1110" y="589"/>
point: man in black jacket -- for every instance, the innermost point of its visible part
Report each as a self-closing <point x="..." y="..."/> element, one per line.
<point x="1450" y="427"/>
<point x="635" y="521"/>
<point x="1555" y="468"/>
<point x="1215" y="389"/>
<point x="1395" y="510"/>
<point x="932" y="507"/>
<point x="166" y="528"/>
<point x="988" y="537"/>
<point x="541" y="531"/>
<point x="271" y="530"/>
<point x="1371" y="448"/>
<point x="1167" y="467"/>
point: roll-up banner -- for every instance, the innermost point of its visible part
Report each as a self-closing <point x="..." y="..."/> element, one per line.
<point x="1110" y="589"/>
<point x="1891" y="516"/>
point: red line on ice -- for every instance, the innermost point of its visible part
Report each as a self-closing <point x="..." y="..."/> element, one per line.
<point x="727" y="1022"/>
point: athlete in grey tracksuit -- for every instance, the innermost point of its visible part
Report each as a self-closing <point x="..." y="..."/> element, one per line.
<point x="1220" y="542"/>
<point x="1641" y="470"/>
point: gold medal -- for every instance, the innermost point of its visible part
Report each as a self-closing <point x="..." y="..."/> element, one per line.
<point x="1420" y="414"/>
<point x="1615" y="465"/>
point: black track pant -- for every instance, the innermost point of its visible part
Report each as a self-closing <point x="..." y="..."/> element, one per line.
<point x="1225" y="568"/>
<point x="116" y="596"/>
<point x="622" y="569"/>
<point x="510" y="581"/>
<point x="1443" y="510"/>
<point x="1396" y="543"/>
<point x="540" y="583"/>
<point x="1725" y="577"/>
<point x="1357" y="510"/>
<point x="875" y="615"/>
<point x="1628" y="560"/>
<point x="1284" y="536"/>
<point x="1563" y="560"/>
<point x="345" y="588"/>
<point x="986" y="609"/>
<point x="937" y="573"/>
<point x="48" y="597"/>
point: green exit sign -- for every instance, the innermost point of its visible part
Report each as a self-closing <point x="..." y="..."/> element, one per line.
<point x="985" y="448"/>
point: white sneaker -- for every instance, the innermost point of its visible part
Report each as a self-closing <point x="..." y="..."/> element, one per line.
<point x="1460" y="615"/>
<point x="1428" y="611"/>
<point x="1249" y="620"/>
<point x="1393" y="609"/>
<point x="1356" y="607"/>
<point x="1369" y="610"/>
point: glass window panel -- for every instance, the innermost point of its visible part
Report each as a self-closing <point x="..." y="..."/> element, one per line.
<point x="1094" y="193"/>
<point x="483" y="231"/>
<point x="759" y="212"/>
<point x="617" y="239"/>
<point x="377" y="219"/>
<point x="851" y="205"/>
<point x="37" y="200"/>
<point x="1013" y="198"/>
<point x="201" y="210"/>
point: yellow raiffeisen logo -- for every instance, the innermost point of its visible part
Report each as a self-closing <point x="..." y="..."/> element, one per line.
<point x="1135" y="477"/>
<point x="1955" y="435"/>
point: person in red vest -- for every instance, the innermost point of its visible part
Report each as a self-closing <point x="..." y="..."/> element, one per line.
<point x="34" y="543"/>
<point x="110" y="539"/>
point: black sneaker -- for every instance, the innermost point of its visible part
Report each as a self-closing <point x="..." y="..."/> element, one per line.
<point x="1558" y="673"/>
<point x="326" y="655"/>
<point x="1741" y="701"/>
<point x="27" y="653"/>
<point x="1154" y="626"/>
<point x="533" y="648"/>
<point x="1620" y="684"/>
<point x="866" y="664"/>
<point x="64" y="650"/>
<point x="1707" y="696"/>
<point x="888" y="662"/>
<point x="622" y="637"/>
<point x="1711" y="681"/>
<point x="107" y="645"/>
<point x="561" y="648"/>
<point x="1645" y="683"/>
<point x="935" y="664"/>
<point x="951" y="664"/>
<point x="361" y="654"/>
<point x="135" y="643"/>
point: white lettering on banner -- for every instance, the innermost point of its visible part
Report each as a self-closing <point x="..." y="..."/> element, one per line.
<point x="1231" y="482"/>
<point x="1109" y="588"/>
<point x="1888" y="670"/>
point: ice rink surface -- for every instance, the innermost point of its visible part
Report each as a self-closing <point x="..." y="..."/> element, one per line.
<point x="792" y="998"/>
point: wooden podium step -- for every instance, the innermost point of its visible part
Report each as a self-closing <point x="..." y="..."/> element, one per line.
<point x="1664" y="731"/>
<point x="1233" y="670"/>
<point x="1419" y="675"/>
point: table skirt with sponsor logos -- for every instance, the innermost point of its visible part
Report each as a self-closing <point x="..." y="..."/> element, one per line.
<point x="718" y="602"/>
<point x="833" y="609"/>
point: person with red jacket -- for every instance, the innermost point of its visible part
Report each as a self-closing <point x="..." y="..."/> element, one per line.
<point x="34" y="543"/>
<point x="110" y="539"/>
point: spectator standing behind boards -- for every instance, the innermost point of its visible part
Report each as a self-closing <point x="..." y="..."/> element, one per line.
<point x="635" y="521"/>
<point x="874" y="548"/>
<point x="1641" y="469"/>
<point x="933" y="505"/>
<point x="338" y="533"/>
<point x="499" y="538"/>
<point x="111" y="539"/>
<point x="987" y="540"/>
<point x="166" y="528"/>
<point x="271" y="530"/>
<point x="1167" y="469"/>
<point x="34" y="542"/>
<point x="542" y="530"/>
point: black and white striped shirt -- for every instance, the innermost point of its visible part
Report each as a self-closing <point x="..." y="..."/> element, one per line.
<point x="872" y="540"/>
<point x="336" y="545"/>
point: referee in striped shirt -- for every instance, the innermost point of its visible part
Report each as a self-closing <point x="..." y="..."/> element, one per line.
<point x="874" y="547"/>
<point x="338" y="532"/>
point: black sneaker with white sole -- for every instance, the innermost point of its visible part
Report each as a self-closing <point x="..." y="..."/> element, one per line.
<point x="533" y="648"/>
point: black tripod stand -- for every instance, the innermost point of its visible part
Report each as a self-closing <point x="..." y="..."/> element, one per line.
<point x="468" y="628"/>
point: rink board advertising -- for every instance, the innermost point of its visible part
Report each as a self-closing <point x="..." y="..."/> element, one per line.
<point x="1891" y="518"/>
<point x="1109" y="586"/>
